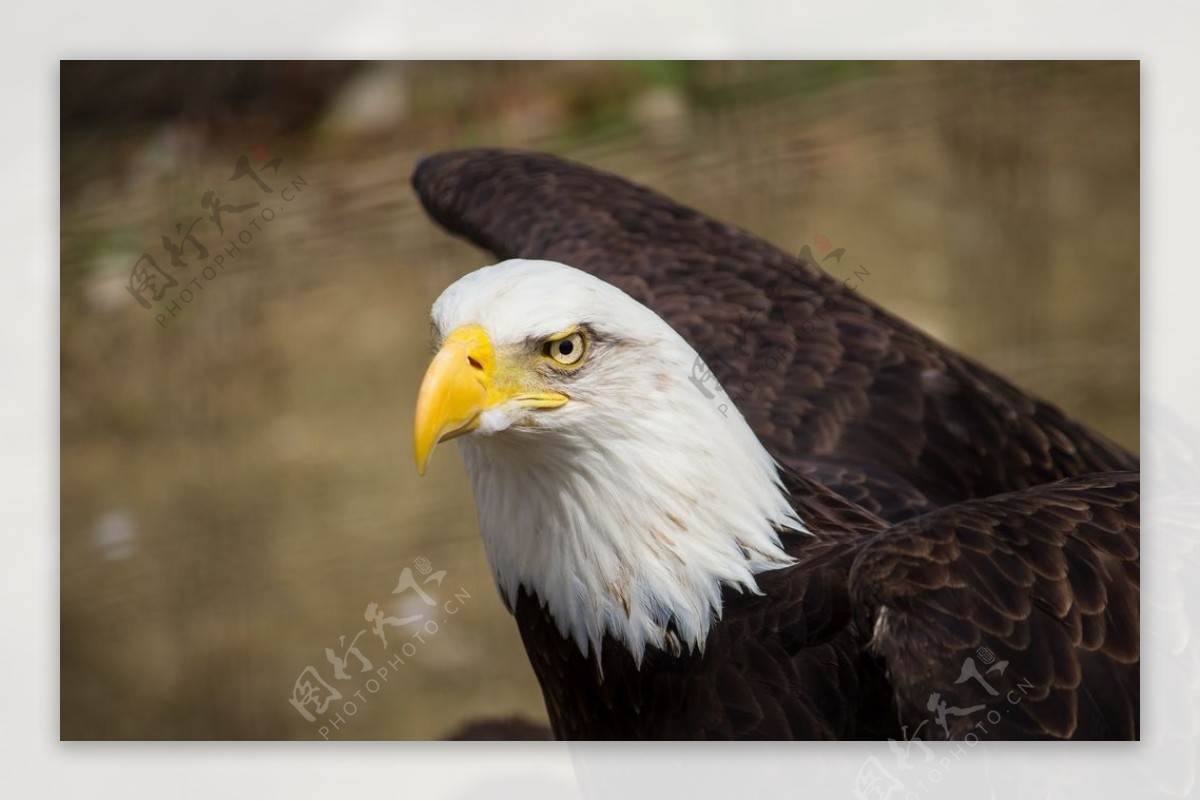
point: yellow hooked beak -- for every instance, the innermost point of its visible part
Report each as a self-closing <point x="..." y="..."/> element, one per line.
<point x="462" y="383"/>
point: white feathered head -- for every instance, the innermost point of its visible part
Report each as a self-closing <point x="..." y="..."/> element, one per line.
<point x="607" y="483"/>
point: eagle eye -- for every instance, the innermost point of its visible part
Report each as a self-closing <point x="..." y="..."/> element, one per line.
<point x="567" y="350"/>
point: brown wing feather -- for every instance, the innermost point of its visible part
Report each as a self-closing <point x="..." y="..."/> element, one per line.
<point x="832" y="384"/>
<point x="1045" y="580"/>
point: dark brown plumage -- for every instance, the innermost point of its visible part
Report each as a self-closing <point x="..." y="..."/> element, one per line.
<point x="982" y="523"/>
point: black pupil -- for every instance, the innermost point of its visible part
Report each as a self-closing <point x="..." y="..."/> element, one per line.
<point x="565" y="347"/>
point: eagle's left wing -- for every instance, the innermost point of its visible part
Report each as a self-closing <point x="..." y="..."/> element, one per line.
<point x="1012" y="617"/>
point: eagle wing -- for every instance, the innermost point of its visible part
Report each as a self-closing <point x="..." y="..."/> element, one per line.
<point x="835" y="387"/>
<point x="1014" y="617"/>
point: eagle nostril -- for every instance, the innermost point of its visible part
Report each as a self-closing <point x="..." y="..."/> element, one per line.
<point x="474" y="363"/>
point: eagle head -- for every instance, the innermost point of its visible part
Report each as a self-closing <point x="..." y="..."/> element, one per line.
<point x="608" y="484"/>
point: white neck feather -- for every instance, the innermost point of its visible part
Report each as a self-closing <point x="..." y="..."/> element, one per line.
<point x="632" y="525"/>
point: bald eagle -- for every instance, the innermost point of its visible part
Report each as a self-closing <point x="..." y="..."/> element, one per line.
<point x="884" y="538"/>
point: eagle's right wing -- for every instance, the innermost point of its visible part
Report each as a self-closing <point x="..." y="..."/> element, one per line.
<point x="1013" y="617"/>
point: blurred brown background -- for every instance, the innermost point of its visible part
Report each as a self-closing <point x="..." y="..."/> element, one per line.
<point x="237" y="486"/>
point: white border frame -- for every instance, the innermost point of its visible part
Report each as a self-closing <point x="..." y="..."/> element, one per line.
<point x="1162" y="36"/>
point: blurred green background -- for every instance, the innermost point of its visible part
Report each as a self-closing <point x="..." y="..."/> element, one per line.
<point x="237" y="486"/>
